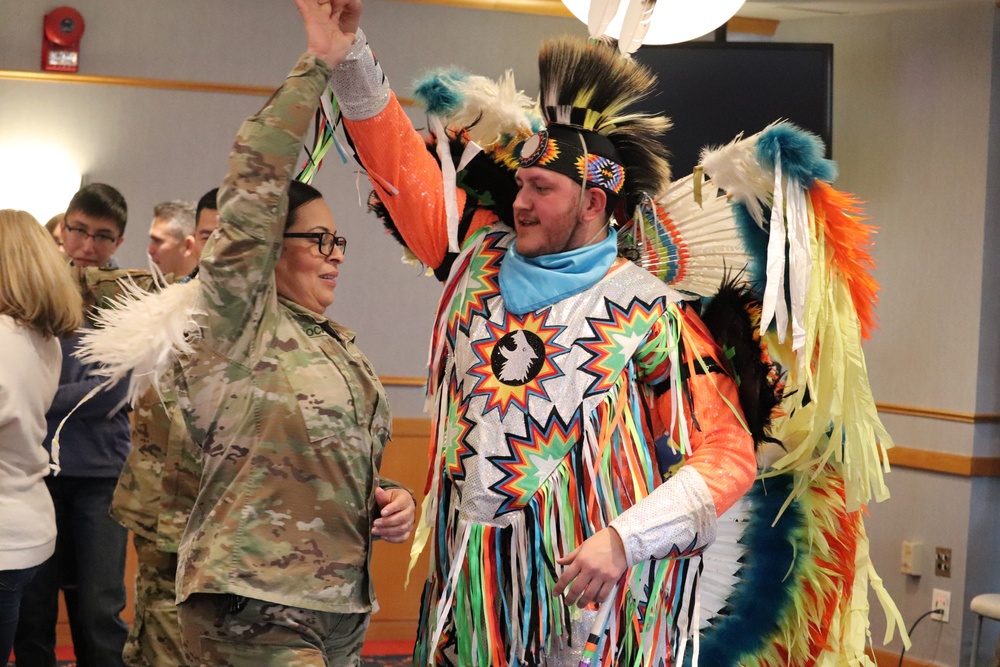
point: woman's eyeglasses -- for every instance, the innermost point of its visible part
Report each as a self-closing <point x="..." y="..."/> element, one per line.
<point x="326" y="241"/>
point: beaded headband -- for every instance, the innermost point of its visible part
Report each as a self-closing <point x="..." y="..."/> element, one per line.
<point x="586" y="157"/>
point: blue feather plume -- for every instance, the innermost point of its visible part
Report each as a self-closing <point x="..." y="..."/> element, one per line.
<point x="438" y="90"/>
<point x="801" y="153"/>
<point x="755" y="242"/>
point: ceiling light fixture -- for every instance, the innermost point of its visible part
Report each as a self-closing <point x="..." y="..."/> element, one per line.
<point x="656" y="22"/>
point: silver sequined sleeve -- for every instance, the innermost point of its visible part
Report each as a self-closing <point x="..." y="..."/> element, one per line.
<point x="359" y="84"/>
<point x="676" y="519"/>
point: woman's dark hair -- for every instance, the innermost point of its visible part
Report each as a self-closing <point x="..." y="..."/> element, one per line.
<point x="299" y="193"/>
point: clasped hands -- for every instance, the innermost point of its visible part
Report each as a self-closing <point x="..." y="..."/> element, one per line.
<point x="330" y="26"/>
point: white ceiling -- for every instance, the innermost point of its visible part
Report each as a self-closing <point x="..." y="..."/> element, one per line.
<point x="801" y="9"/>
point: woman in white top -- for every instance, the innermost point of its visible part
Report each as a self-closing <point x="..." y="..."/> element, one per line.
<point x="38" y="303"/>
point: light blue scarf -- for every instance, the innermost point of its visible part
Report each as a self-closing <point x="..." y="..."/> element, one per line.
<point x="528" y="284"/>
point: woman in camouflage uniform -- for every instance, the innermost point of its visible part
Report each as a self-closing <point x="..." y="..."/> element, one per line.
<point x="291" y="418"/>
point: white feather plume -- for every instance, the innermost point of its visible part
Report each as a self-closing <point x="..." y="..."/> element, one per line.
<point x="492" y="109"/>
<point x="722" y="561"/>
<point x="735" y="168"/>
<point x="142" y="333"/>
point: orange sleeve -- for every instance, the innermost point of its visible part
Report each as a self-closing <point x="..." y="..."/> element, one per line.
<point x="407" y="179"/>
<point x="722" y="448"/>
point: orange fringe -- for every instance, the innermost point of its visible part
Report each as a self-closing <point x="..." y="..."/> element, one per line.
<point x="850" y="241"/>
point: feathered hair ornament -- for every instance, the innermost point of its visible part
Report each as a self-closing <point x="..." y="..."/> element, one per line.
<point x="494" y="115"/>
<point x="591" y="88"/>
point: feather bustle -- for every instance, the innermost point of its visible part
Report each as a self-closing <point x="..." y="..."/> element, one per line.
<point x="734" y="168"/>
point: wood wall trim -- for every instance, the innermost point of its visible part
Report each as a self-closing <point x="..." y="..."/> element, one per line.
<point x="899" y="457"/>
<point x="536" y="7"/>
<point x="401" y="381"/>
<point x="136" y="82"/>
<point x="943" y="415"/>
<point x="887" y="408"/>
<point x="959" y="465"/>
<point x="951" y="464"/>
<point x="155" y="84"/>
<point x="751" y="26"/>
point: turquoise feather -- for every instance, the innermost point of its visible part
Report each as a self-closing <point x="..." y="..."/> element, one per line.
<point x="801" y="154"/>
<point x="438" y="90"/>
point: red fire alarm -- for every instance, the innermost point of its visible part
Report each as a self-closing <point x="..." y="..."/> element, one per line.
<point x="62" y="30"/>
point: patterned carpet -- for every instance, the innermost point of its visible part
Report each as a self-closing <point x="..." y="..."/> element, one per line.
<point x="387" y="661"/>
<point x="371" y="661"/>
<point x="403" y="660"/>
<point x="366" y="661"/>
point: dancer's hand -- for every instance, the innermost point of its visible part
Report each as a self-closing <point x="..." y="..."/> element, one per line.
<point x="594" y="567"/>
<point x="330" y="26"/>
<point x="396" y="510"/>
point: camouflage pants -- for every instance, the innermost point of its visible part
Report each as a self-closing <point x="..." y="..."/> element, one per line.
<point x="155" y="638"/>
<point x="254" y="633"/>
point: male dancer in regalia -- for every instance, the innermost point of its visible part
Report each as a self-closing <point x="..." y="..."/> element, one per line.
<point x="557" y="366"/>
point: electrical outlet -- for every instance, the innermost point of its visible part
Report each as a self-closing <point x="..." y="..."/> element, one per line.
<point x="941" y="601"/>
<point x="942" y="562"/>
<point x="912" y="558"/>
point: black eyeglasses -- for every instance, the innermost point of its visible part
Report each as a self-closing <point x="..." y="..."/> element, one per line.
<point x="325" y="240"/>
<point x="81" y="235"/>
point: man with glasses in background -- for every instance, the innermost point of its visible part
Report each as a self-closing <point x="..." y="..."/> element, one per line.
<point x="89" y="561"/>
<point x="94" y="225"/>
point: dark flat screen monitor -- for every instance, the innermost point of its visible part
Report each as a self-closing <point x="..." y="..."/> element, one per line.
<point x="714" y="90"/>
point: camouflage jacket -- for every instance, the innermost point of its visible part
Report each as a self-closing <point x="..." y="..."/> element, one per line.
<point x="159" y="482"/>
<point x="99" y="287"/>
<point x="291" y="417"/>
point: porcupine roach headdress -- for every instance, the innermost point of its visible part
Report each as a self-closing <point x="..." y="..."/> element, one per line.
<point x="586" y="94"/>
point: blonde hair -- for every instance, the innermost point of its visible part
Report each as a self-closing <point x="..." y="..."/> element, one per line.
<point x="53" y="224"/>
<point x="36" y="288"/>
